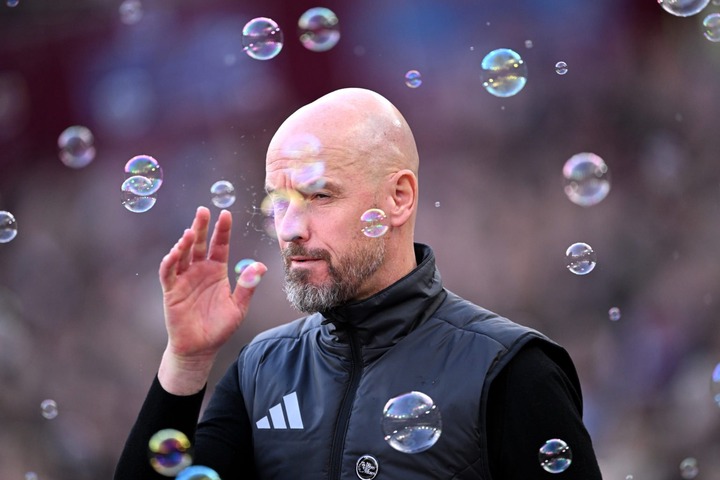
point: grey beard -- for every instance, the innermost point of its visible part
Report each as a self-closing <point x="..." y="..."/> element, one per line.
<point x="345" y="279"/>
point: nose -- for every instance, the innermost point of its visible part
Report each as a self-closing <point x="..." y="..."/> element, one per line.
<point x="292" y="224"/>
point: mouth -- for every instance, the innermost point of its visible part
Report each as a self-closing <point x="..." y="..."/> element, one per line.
<point x="300" y="260"/>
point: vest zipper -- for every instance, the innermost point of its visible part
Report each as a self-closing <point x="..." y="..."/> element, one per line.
<point x="341" y="426"/>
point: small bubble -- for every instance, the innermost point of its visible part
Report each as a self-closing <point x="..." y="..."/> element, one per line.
<point x="437" y="204"/>
<point x="504" y="73"/>
<point x="580" y="258"/>
<point x="8" y="226"/>
<point x="528" y="43"/>
<point x="683" y="8"/>
<point x="411" y="422"/>
<point x="555" y="456"/>
<point x="715" y="385"/>
<point x="711" y="27"/>
<point x="49" y="409"/>
<point x="76" y="146"/>
<point x="131" y="12"/>
<point x="262" y="38"/>
<point x="198" y="472"/>
<point x="247" y="281"/>
<point x="319" y="29"/>
<point x="689" y="468"/>
<point x="561" y="68"/>
<point x="614" y="314"/>
<point x="374" y="220"/>
<point x="31" y="476"/>
<point x="629" y="477"/>
<point x="223" y="194"/>
<point x="587" y="179"/>
<point x="13" y="3"/>
<point x="413" y="79"/>
<point x="169" y="452"/>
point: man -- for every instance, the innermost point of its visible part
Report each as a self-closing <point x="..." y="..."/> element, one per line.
<point x="305" y="400"/>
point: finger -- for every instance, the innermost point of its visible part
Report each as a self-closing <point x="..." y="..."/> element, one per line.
<point x="169" y="265"/>
<point x="200" y="227"/>
<point x="248" y="280"/>
<point x="220" y="240"/>
<point x="184" y="248"/>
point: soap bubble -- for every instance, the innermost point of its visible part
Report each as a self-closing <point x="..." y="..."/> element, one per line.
<point x="262" y="38"/>
<point x="614" y="314"/>
<point x="504" y="73"/>
<point x="715" y="385"/>
<point x="145" y="166"/>
<point x="413" y="79"/>
<point x="580" y="258"/>
<point x="198" y="472"/>
<point x="711" y="27"/>
<point x="587" y="179"/>
<point x="683" y="8"/>
<point x="319" y="29"/>
<point x="555" y="456"/>
<point x="223" y="194"/>
<point x="12" y="3"/>
<point x="689" y="468"/>
<point x="131" y="12"/>
<point x="8" y="226"/>
<point x="76" y="146"/>
<point x="49" y="409"/>
<point x="169" y="452"/>
<point x="133" y="201"/>
<point x="247" y="281"/>
<point x="309" y="177"/>
<point x="374" y="220"/>
<point x="528" y="43"/>
<point x="31" y="476"/>
<point x="561" y="68"/>
<point x="411" y="422"/>
<point x="437" y="204"/>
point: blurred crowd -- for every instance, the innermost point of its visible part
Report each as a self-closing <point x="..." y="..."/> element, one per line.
<point x="80" y="305"/>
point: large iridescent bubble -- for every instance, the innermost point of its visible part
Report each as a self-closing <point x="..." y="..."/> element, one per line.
<point x="262" y="38"/>
<point x="683" y="8"/>
<point x="319" y="29"/>
<point x="504" y="73"/>
<point x="411" y="422"/>
<point x="587" y="179"/>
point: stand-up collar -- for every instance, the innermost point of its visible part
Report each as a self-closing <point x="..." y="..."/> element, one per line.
<point x="384" y="318"/>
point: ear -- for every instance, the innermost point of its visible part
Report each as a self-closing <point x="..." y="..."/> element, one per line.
<point x="402" y="197"/>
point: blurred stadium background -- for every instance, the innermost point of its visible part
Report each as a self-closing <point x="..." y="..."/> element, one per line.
<point x="80" y="304"/>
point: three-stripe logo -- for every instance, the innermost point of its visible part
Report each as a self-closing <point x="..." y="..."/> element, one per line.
<point x="278" y="417"/>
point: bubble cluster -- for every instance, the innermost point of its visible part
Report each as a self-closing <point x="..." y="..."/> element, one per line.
<point x="374" y="225"/>
<point x="614" y="314"/>
<point x="319" y="29"/>
<point x="711" y="27"/>
<point x="223" y="194"/>
<point x="504" y="73"/>
<point x="198" y="472"/>
<point x="689" y="468"/>
<point x="169" y="452"/>
<point x="76" y="146"/>
<point x="49" y="409"/>
<point x="411" y="422"/>
<point x="555" y="456"/>
<point x="131" y="12"/>
<point x="683" y="8"/>
<point x="561" y="68"/>
<point x="8" y="226"/>
<point x="580" y="258"/>
<point x="262" y="38"/>
<point x="144" y="176"/>
<point x="413" y="79"/>
<point x="586" y="178"/>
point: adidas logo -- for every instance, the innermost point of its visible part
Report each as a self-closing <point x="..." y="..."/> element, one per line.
<point x="278" y="417"/>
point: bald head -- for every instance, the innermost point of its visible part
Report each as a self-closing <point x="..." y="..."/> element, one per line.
<point x="355" y="123"/>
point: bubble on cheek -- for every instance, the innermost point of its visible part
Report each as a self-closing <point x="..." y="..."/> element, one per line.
<point x="374" y="223"/>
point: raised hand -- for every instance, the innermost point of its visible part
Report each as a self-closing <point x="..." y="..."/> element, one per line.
<point x="201" y="309"/>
